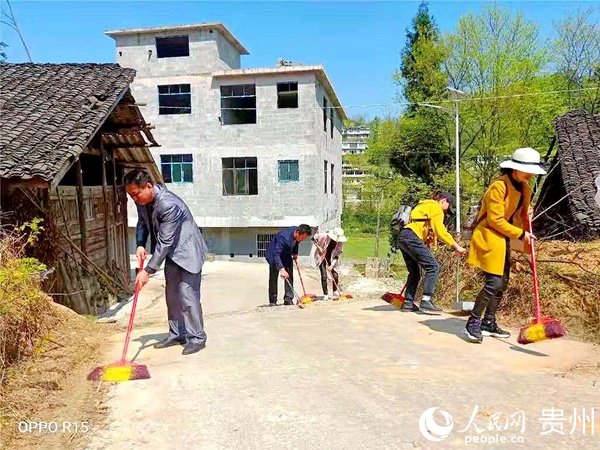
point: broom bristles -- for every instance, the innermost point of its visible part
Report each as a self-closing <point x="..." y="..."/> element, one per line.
<point x="120" y="372"/>
<point x="396" y="300"/>
<point x="541" y="331"/>
<point x="306" y="299"/>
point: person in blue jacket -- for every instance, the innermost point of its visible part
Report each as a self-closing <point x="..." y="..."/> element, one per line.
<point x="281" y="254"/>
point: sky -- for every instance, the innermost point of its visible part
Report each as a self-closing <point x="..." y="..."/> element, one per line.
<point x="358" y="43"/>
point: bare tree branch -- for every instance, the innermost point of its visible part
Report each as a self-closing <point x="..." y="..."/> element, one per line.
<point x="16" y="28"/>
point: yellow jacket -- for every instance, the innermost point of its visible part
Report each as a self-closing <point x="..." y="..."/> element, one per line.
<point x="499" y="204"/>
<point x="430" y="209"/>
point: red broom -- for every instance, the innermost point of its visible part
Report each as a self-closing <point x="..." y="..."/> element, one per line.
<point x="123" y="370"/>
<point x="306" y="298"/>
<point x="396" y="300"/>
<point x="541" y="328"/>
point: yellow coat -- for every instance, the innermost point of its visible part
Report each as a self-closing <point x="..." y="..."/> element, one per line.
<point x="488" y="244"/>
<point x="432" y="210"/>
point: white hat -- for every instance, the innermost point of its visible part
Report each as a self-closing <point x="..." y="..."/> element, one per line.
<point x="337" y="234"/>
<point x="525" y="160"/>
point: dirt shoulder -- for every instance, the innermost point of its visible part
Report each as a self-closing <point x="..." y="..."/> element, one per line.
<point x="50" y="389"/>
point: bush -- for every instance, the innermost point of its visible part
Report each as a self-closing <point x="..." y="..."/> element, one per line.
<point x="24" y="312"/>
<point x="569" y="276"/>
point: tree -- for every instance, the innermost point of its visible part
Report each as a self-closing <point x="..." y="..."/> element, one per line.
<point x="356" y="121"/>
<point x="418" y="145"/>
<point x="494" y="56"/>
<point x="577" y="57"/>
<point x="420" y="75"/>
<point x="9" y="19"/>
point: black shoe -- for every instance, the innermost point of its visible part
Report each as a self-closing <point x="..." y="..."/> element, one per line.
<point x="428" y="306"/>
<point x="473" y="330"/>
<point x="272" y="304"/>
<point x="193" y="347"/>
<point x="286" y="303"/>
<point x="410" y="306"/>
<point x="490" y="328"/>
<point x="169" y="343"/>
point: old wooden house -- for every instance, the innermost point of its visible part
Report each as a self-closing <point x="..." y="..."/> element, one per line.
<point x="68" y="134"/>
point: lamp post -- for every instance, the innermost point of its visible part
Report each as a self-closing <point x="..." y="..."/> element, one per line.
<point x="456" y="94"/>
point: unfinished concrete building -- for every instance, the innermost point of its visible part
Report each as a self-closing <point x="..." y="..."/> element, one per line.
<point x="251" y="151"/>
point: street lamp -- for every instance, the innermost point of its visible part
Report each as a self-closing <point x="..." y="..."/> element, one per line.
<point x="456" y="95"/>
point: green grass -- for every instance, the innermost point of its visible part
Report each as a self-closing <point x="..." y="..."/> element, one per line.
<point x="362" y="246"/>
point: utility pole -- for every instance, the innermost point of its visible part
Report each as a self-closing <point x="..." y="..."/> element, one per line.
<point x="379" y="203"/>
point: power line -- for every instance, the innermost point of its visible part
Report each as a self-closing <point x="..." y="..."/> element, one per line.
<point x="398" y="104"/>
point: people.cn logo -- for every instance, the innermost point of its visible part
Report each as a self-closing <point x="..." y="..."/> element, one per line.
<point x="430" y="429"/>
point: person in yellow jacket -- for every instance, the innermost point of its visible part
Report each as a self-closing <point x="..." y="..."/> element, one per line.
<point x="426" y="226"/>
<point x="504" y="215"/>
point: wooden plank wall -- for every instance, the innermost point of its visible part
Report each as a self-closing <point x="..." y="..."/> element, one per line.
<point x="86" y="293"/>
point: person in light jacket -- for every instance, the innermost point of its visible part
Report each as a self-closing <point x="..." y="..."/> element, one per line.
<point x="327" y="249"/>
<point x="504" y="216"/>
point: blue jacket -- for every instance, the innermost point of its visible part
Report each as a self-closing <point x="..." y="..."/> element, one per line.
<point x="282" y="247"/>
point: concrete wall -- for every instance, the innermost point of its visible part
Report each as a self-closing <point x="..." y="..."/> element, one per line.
<point x="241" y="242"/>
<point x="278" y="134"/>
<point x="209" y="52"/>
<point x="330" y="150"/>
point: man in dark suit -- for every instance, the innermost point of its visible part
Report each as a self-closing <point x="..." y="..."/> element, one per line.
<point x="175" y="240"/>
<point x="280" y="254"/>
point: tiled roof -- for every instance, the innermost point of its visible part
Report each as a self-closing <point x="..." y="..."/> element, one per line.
<point x="578" y="156"/>
<point x="49" y="112"/>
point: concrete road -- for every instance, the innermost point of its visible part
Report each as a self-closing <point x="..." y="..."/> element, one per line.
<point x="343" y="375"/>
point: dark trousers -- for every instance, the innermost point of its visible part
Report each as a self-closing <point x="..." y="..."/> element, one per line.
<point x="184" y="309"/>
<point x="416" y="257"/>
<point x="488" y="300"/>
<point x="334" y="275"/>
<point x="288" y="297"/>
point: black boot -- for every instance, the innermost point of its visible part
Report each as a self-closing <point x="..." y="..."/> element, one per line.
<point x="473" y="330"/>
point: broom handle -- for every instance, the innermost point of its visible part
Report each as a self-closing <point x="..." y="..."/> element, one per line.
<point x="300" y="275"/>
<point x="337" y="286"/>
<point x="536" y="293"/>
<point x="131" y="317"/>
<point x="293" y="290"/>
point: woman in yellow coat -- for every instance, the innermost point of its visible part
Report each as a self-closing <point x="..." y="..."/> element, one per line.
<point x="504" y="215"/>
